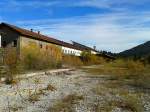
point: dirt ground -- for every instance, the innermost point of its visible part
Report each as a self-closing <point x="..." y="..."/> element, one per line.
<point x="74" y="91"/>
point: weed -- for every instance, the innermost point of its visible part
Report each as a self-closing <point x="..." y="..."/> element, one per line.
<point x="121" y="73"/>
<point x="50" y="88"/>
<point x="11" y="81"/>
<point x="65" y="105"/>
<point x="70" y="60"/>
<point x="33" y="98"/>
<point x="32" y="57"/>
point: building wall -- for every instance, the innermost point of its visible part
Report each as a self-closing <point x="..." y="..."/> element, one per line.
<point x="10" y="36"/>
<point x="93" y="52"/>
<point x="71" y="51"/>
<point x="29" y="45"/>
<point x="10" y="40"/>
<point x="45" y="46"/>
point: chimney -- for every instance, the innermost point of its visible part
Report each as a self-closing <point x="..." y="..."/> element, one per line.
<point x="38" y="32"/>
<point x="31" y="30"/>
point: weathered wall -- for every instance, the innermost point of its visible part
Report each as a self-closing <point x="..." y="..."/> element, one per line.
<point x="25" y="42"/>
<point x="9" y="36"/>
<point x="41" y="46"/>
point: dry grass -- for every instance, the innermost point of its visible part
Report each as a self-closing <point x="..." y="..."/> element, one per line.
<point x="32" y="57"/>
<point x="35" y="96"/>
<point x="86" y="58"/>
<point x="91" y="59"/>
<point x="15" y="108"/>
<point x="129" y="101"/>
<point x="130" y="104"/>
<point x="72" y="61"/>
<point x="123" y="72"/>
<point x="50" y="88"/>
<point x="120" y="77"/>
<point x="11" y="81"/>
<point x="66" y="104"/>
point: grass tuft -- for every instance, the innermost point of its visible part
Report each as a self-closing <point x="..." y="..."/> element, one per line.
<point x="66" y="104"/>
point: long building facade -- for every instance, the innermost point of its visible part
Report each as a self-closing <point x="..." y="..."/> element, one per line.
<point x="17" y="38"/>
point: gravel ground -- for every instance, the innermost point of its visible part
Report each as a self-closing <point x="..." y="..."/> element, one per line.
<point x="16" y="98"/>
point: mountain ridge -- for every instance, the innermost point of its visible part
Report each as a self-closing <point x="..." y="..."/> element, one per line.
<point x="139" y="51"/>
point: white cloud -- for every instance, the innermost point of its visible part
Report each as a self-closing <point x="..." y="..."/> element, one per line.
<point x="116" y="5"/>
<point x="114" y="32"/>
<point x="18" y="5"/>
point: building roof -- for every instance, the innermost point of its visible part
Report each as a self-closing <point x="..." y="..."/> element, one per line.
<point x="38" y="36"/>
<point x="84" y="47"/>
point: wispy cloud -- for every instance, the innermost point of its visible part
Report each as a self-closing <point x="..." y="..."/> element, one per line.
<point x="115" y="31"/>
<point x="18" y="5"/>
<point x="106" y="4"/>
<point x="122" y="26"/>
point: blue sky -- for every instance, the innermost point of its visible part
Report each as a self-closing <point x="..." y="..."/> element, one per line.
<point x="112" y="25"/>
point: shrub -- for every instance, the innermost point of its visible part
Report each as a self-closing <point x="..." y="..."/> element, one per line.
<point x="12" y="65"/>
<point x="50" y="88"/>
<point x="71" y="60"/>
<point x="89" y="59"/>
<point x="130" y="65"/>
<point x="86" y="58"/>
<point x="66" y="104"/>
<point x="35" y="58"/>
<point x="11" y="60"/>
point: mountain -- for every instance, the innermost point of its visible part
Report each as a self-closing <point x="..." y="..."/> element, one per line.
<point x="140" y="51"/>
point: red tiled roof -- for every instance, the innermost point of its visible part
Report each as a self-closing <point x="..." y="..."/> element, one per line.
<point x="34" y="35"/>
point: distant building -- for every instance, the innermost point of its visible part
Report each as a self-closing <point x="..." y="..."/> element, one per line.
<point x="14" y="37"/>
<point x="85" y="48"/>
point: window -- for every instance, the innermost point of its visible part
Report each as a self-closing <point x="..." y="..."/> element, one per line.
<point x="14" y="44"/>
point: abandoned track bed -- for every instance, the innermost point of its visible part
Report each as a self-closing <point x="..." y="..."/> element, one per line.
<point x="72" y="91"/>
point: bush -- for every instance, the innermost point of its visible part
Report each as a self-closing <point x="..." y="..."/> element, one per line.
<point x="130" y="65"/>
<point x="35" y="58"/>
<point x="70" y="60"/>
<point x="89" y="59"/>
<point x="11" y="63"/>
